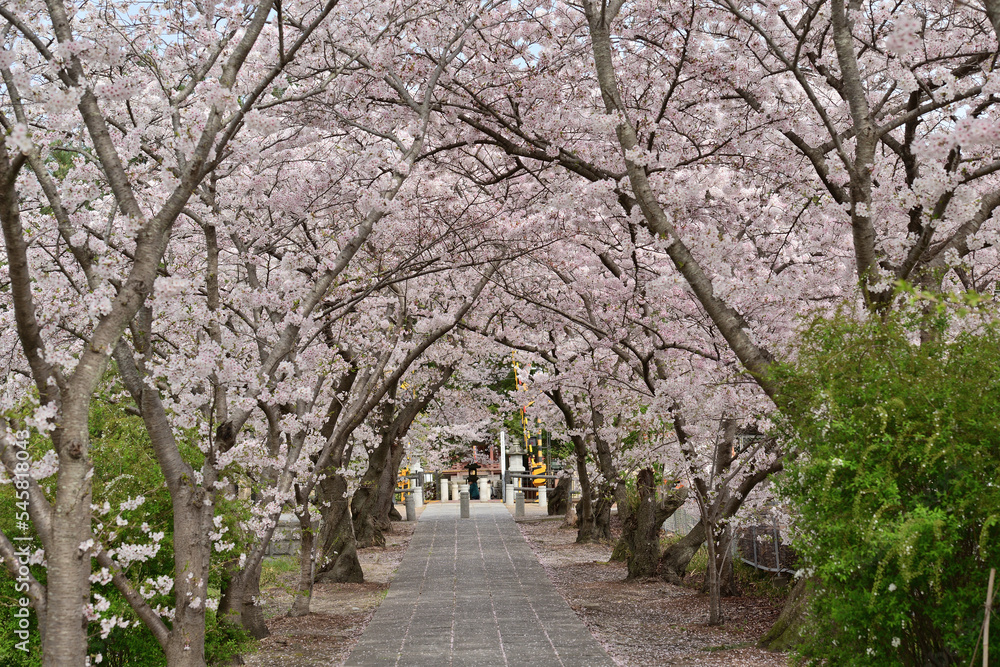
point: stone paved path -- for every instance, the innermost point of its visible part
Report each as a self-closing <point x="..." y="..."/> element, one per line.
<point x="470" y="592"/>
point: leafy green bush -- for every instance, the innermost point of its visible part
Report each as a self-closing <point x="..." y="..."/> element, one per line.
<point x="895" y="479"/>
<point x="10" y="655"/>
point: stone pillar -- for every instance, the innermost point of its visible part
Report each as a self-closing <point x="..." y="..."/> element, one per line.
<point x="444" y="490"/>
<point x="519" y="505"/>
<point x="503" y="464"/>
<point x="418" y="496"/>
<point x="510" y="494"/>
<point x="463" y="488"/>
<point x="411" y="508"/>
<point x="484" y="491"/>
<point x="543" y="498"/>
<point x="465" y="504"/>
<point x="454" y="488"/>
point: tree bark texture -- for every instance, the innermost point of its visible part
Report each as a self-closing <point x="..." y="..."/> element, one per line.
<point x="304" y="588"/>
<point x="675" y="559"/>
<point x="559" y="498"/>
<point x="365" y="499"/>
<point x="712" y="578"/>
<point x="640" y="540"/>
<point x="236" y="605"/>
<point x="602" y="513"/>
<point x="787" y="631"/>
<point x="338" y="561"/>
<point x="385" y="509"/>
<point x="644" y="532"/>
<point x="584" y="508"/>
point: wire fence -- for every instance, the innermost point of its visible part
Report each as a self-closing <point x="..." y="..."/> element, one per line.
<point x="683" y="520"/>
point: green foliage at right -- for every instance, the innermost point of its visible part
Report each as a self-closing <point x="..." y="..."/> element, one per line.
<point x="895" y="480"/>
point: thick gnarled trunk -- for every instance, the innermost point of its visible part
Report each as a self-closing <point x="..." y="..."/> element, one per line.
<point x="364" y="504"/>
<point x="675" y="559"/>
<point x="584" y="508"/>
<point x="788" y="630"/>
<point x="385" y="511"/>
<point x="602" y="514"/>
<point x="240" y="587"/>
<point x="338" y="560"/>
<point x="559" y="499"/>
<point x="641" y="530"/>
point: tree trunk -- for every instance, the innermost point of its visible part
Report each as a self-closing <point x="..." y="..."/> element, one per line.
<point x="385" y="510"/>
<point x="68" y="586"/>
<point x="303" y="591"/>
<point x="610" y="489"/>
<point x="787" y="631"/>
<point x="367" y="532"/>
<point x="365" y="500"/>
<point x="727" y="578"/>
<point x="639" y="544"/>
<point x="585" y="508"/>
<point x="675" y="559"/>
<point x="372" y="503"/>
<point x="339" y="556"/>
<point x="559" y="498"/>
<point x="644" y="530"/>
<point x="712" y="577"/>
<point x="193" y="514"/>
<point x="602" y="515"/>
<point x="236" y="606"/>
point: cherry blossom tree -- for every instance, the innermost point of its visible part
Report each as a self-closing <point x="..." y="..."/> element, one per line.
<point x="149" y="119"/>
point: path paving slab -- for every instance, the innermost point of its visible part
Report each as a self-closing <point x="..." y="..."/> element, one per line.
<point x="471" y="592"/>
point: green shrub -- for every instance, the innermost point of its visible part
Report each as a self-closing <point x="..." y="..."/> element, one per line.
<point x="125" y="468"/>
<point x="10" y="655"/>
<point x="895" y="480"/>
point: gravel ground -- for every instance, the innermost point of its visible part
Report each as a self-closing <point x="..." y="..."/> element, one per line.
<point x="649" y="622"/>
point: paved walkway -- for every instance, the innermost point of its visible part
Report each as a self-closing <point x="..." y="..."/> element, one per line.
<point x="470" y="592"/>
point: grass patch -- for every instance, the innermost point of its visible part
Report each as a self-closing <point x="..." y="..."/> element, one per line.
<point x="273" y="570"/>
<point x="757" y="583"/>
<point x="699" y="562"/>
<point x="749" y="580"/>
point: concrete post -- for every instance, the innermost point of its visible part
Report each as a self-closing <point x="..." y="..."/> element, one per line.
<point x="465" y="504"/>
<point x="510" y="494"/>
<point x="543" y="498"/>
<point x="503" y="464"/>
<point x="484" y="491"/>
<point x="454" y="488"/>
<point x="418" y="496"/>
<point x="444" y="490"/>
<point x="411" y="508"/>
<point x="463" y="488"/>
<point x="519" y="505"/>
